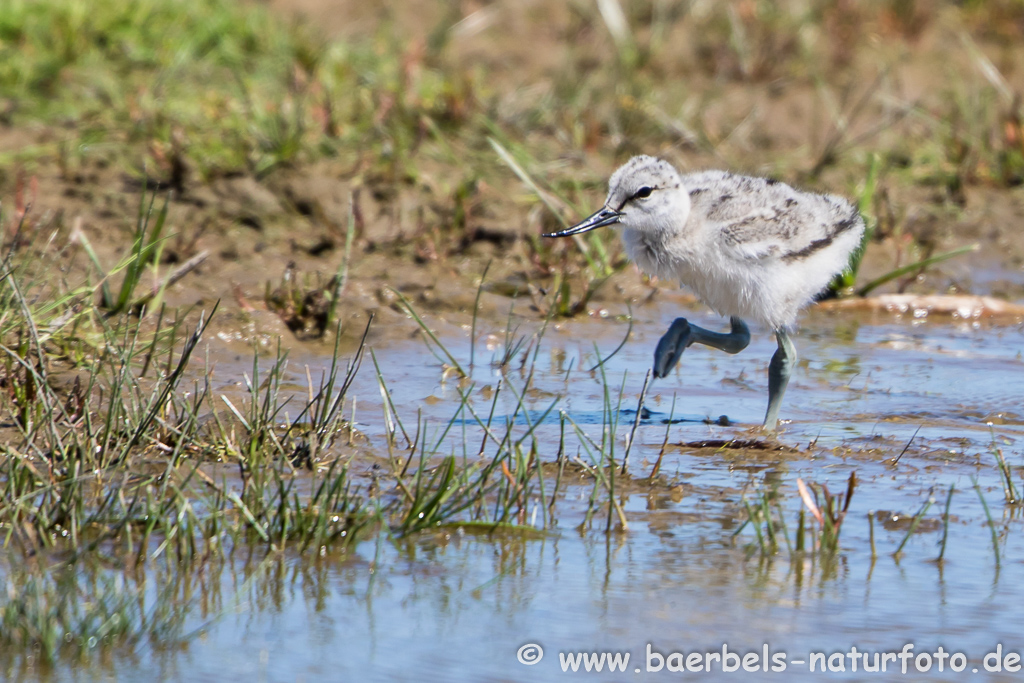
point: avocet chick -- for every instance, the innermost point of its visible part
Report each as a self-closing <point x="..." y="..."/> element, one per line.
<point x="748" y="247"/>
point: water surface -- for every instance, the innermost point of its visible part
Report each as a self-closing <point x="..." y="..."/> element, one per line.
<point x="451" y="605"/>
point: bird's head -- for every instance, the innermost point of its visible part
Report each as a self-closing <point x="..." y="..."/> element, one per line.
<point x="644" y="194"/>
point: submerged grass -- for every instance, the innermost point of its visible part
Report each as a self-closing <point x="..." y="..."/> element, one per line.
<point x="124" y="463"/>
<point x="74" y="611"/>
<point x="1010" y="494"/>
<point x="501" y="482"/>
<point x="767" y="518"/>
<point x="915" y="521"/>
<point x="990" y="522"/>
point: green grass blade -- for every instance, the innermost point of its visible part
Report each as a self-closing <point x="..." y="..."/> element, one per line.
<point x="912" y="267"/>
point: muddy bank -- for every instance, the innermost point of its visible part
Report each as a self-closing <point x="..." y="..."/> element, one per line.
<point x="428" y="229"/>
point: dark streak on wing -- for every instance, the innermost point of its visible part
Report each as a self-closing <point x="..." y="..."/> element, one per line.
<point x="838" y="228"/>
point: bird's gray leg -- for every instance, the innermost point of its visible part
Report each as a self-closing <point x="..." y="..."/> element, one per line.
<point x="681" y="334"/>
<point x="779" y="371"/>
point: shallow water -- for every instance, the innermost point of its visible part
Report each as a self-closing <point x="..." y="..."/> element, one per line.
<point x="459" y="606"/>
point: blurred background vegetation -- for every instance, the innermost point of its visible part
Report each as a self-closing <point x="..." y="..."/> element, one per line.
<point x="465" y="128"/>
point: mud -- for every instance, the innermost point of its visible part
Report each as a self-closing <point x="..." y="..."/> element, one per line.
<point x="295" y="220"/>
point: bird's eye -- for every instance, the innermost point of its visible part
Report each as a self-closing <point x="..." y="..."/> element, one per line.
<point x="643" y="193"/>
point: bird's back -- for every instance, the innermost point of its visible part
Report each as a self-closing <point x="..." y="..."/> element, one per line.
<point x="763" y="249"/>
<point x="768" y="218"/>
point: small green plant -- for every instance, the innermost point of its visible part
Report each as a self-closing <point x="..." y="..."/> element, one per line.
<point x="1010" y="493"/>
<point x="989" y="521"/>
<point x="914" y="523"/>
<point x="307" y="308"/>
<point x="945" y="524"/>
<point x="828" y="510"/>
<point x="766" y="518"/>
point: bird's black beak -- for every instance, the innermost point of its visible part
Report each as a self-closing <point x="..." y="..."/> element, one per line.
<point x="597" y="220"/>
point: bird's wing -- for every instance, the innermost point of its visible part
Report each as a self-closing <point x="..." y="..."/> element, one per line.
<point x="760" y="218"/>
